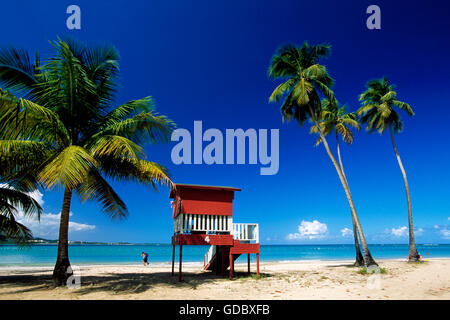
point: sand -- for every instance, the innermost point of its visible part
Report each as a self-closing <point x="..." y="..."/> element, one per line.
<point x="279" y="280"/>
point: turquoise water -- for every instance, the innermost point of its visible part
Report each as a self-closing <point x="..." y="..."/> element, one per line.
<point x="162" y="253"/>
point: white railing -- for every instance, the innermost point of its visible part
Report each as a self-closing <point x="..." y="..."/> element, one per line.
<point x="246" y="232"/>
<point x="208" y="223"/>
<point x="186" y="223"/>
<point x="209" y="255"/>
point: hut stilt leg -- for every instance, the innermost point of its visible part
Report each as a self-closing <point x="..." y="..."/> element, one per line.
<point x="173" y="260"/>
<point x="181" y="263"/>
<point x="231" y="266"/>
<point x="257" y="264"/>
<point x="223" y="261"/>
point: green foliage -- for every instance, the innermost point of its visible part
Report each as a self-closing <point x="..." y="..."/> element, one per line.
<point x="364" y="271"/>
<point x="14" y="196"/>
<point x="11" y="201"/>
<point x="66" y="131"/>
<point x="377" y="110"/>
<point x="333" y="117"/>
<point x="304" y="79"/>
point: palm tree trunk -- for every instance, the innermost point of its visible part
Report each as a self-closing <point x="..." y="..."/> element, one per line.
<point x="62" y="271"/>
<point x="413" y="254"/>
<point x="368" y="260"/>
<point x="359" y="260"/>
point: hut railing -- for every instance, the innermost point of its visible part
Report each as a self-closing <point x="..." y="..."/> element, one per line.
<point x="209" y="223"/>
<point x="246" y="232"/>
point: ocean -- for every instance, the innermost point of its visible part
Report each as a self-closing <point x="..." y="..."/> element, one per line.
<point x="43" y="254"/>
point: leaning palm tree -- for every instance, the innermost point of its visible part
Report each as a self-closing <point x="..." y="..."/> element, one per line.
<point x="67" y="117"/>
<point x="332" y="117"/>
<point x="378" y="112"/>
<point x="304" y="79"/>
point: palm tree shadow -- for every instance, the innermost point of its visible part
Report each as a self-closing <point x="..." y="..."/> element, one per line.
<point x="26" y="283"/>
<point x="346" y="265"/>
<point x="118" y="283"/>
<point x="137" y="283"/>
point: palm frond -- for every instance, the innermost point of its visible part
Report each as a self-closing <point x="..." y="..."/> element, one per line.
<point x="20" y="200"/>
<point x="141" y="128"/>
<point x="403" y="106"/>
<point x="304" y="79"/>
<point x="17" y="70"/>
<point x="19" y="160"/>
<point x="116" y="146"/>
<point x="96" y="188"/>
<point x="378" y="103"/>
<point x="285" y="62"/>
<point x="141" y="171"/>
<point x="24" y="119"/>
<point x="127" y="110"/>
<point x="69" y="168"/>
<point x="15" y="230"/>
<point x="282" y="89"/>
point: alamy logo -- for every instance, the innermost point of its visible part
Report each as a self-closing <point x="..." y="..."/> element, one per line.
<point x="235" y="139"/>
<point x="74" y="280"/>
<point x="74" y="20"/>
<point x="374" y="280"/>
<point x="374" y="20"/>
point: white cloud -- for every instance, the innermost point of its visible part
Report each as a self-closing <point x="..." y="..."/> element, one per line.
<point x="346" y="232"/>
<point x="48" y="226"/>
<point x="399" y="232"/>
<point x="38" y="196"/>
<point x="445" y="233"/>
<point x="403" y="232"/>
<point x="309" y="230"/>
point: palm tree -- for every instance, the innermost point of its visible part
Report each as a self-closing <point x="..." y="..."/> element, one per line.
<point x="332" y="117"/>
<point x="378" y="112"/>
<point x="67" y="117"/>
<point x="303" y="80"/>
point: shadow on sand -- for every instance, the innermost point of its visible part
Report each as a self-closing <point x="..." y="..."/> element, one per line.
<point x="347" y="265"/>
<point x="119" y="283"/>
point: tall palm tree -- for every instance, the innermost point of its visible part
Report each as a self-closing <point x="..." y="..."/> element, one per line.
<point x="304" y="79"/>
<point x="379" y="113"/>
<point x="332" y="117"/>
<point x="69" y="120"/>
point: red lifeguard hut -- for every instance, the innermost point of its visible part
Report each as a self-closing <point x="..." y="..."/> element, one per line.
<point x="203" y="215"/>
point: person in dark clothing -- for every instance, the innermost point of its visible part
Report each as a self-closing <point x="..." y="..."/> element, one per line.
<point x="145" y="258"/>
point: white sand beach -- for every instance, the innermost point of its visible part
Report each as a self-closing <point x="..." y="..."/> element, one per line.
<point x="279" y="280"/>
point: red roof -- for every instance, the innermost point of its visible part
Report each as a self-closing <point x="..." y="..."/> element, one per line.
<point x="201" y="187"/>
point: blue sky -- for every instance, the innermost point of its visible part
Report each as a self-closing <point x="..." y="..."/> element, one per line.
<point x="207" y="60"/>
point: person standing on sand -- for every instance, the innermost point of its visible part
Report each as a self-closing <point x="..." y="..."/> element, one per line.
<point x="145" y="258"/>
